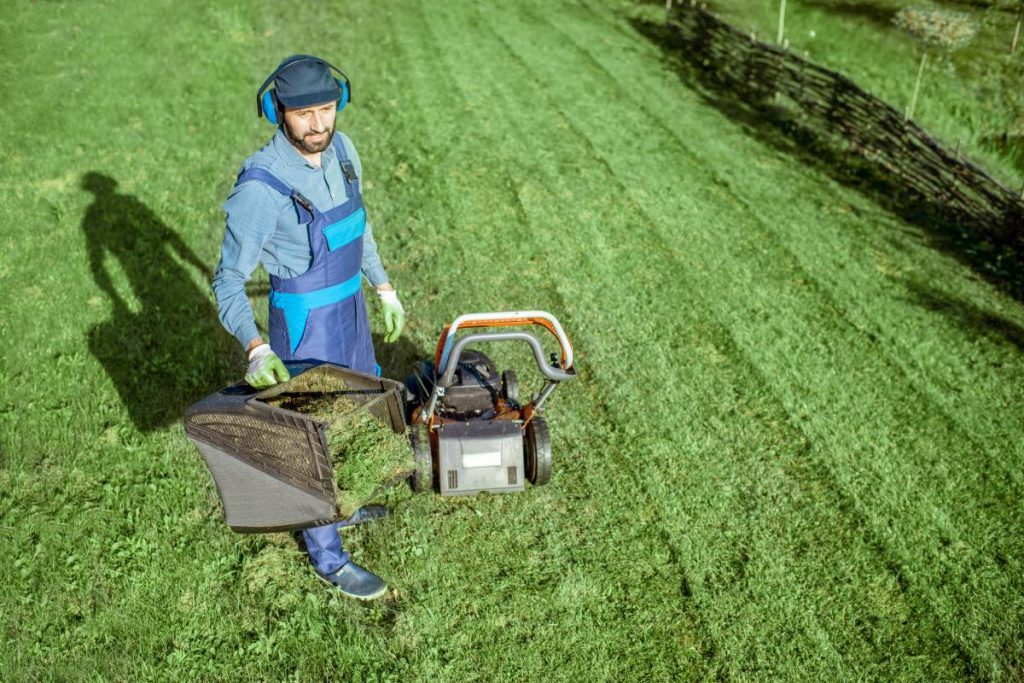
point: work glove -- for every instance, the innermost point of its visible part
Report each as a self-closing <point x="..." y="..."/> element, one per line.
<point x="394" y="314"/>
<point x="265" y="368"/>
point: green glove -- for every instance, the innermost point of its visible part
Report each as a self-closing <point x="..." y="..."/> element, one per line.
<point x="265" y="368"/>
<point x="394" y="314"/>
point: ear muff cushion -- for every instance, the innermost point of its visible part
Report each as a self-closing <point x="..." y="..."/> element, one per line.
<point x="344" y="94"/>
<point x="270" y="106"/>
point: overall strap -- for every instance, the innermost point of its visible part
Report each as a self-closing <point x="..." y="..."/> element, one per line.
<point x="303" y="206"/>
<point x="348" y="169"/>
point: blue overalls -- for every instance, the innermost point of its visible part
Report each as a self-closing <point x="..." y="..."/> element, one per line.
<point x="321" y="314"/>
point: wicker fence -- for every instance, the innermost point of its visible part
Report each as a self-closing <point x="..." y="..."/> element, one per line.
<point x="826" y="101"/>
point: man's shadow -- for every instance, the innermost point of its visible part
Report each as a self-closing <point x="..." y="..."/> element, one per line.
<point x="163" y="346"/>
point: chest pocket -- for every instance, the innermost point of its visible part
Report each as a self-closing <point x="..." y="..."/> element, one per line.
<point x="346" y="230"/>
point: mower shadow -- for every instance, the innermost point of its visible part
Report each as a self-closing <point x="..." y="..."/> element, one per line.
<point x="398" y="358"/>
<point x="163" y="346"/>
<point x="1001" y="264"/>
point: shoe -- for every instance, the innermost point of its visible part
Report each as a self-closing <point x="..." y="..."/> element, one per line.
<point x="367" y="513"/>
<point x="356" y="582"/>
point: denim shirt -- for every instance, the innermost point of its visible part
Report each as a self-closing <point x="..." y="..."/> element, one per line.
<point x="262" y="227"/>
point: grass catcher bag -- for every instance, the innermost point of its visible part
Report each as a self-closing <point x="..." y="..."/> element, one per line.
<point x="302" y="453"/>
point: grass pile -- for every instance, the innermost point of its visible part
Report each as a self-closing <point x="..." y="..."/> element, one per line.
<point x="948" y="30"/>
<point x="366" y="453"/>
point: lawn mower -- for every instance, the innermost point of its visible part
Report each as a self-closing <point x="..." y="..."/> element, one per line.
<point x="470" y="430"/>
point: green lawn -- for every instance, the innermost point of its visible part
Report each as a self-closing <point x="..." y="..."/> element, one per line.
<point x="793" y="453"/>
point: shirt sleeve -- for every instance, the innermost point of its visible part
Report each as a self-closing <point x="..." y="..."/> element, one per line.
<point x="372" y="267"/>
<point x="251" y="220"/>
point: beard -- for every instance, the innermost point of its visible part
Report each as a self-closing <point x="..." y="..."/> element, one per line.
<point x="305" y="143"/>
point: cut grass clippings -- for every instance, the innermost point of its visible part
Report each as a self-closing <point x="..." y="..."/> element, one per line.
<point x="366" y="452"/>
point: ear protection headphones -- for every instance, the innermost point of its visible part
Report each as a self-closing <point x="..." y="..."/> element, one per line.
<point x="267" y="103"/>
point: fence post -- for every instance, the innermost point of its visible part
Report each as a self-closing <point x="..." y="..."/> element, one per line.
<point x="782" y="21"/>
<point x="917" y="86"/>
<point x="1016" y="31"/>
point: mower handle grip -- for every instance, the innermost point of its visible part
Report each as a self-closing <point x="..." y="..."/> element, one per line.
<point x="555" y="374"/>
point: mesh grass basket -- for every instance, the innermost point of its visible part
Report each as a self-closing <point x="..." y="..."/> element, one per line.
<point x="270" y="451"/>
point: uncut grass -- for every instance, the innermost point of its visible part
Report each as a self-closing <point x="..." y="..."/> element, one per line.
<point x="121" y="567"/>
<point x="747" y="478"/>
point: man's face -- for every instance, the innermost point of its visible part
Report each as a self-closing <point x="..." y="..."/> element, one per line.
<point x="311" y="128"/>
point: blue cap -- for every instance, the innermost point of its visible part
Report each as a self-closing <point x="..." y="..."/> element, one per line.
<point x="304" y="80"/>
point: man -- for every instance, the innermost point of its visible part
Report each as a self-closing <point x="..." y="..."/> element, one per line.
<point x="297" y="208"/>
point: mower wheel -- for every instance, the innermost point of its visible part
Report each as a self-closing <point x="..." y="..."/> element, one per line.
<point x="422" y="479"/>
<point x="538" y="452"/>
<point x="510" y="386"/>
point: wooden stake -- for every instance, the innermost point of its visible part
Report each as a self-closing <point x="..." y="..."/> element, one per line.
<point x="917" y="87"/>
<point x="782" y="21"/>
<point x="1016" y="31"/>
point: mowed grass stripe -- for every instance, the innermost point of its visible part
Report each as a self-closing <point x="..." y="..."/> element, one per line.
<point x="864" y="236"/>
<point x="871" y="247"/>
<point x="470" y="179"/>
<point x="576" y="516"/>
<point x="530" y="126"/>
<point x="967" y="473"/>
<point x="1011" y="537"/>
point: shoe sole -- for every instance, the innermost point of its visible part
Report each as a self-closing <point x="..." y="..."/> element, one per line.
<point x="341" y="590"/>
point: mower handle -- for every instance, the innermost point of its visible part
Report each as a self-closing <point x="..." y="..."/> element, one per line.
<point x="503" y="319"/>
<point x="555" y="374"/>
<point x="444" y="380"/>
